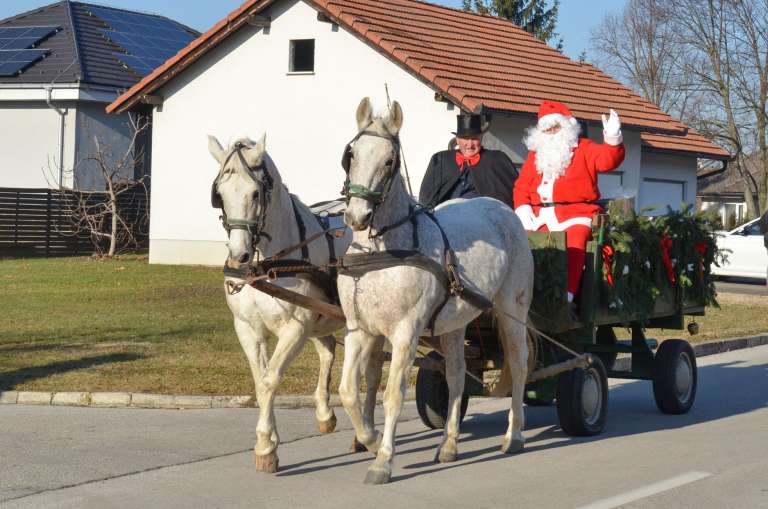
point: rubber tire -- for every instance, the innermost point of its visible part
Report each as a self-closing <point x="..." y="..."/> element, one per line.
<point x="664" y="376"/>
<point x="569" y="400"/>
<point x="432" y="397"/>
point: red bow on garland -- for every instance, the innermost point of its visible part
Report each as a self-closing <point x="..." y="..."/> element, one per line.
<point x="608" y="263"/>
<point x="701" y="248"/>
<point x="666" y="243"/>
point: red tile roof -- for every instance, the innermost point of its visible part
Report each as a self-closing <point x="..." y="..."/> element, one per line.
<point x="481" y="63"/>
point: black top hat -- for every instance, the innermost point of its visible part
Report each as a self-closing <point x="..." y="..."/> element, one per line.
<point x="469" y="124"/>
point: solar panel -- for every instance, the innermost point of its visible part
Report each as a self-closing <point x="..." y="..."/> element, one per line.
<point x="23" y="37"/>
<point x="13" y="62"/>
<point x="148" y="40"/>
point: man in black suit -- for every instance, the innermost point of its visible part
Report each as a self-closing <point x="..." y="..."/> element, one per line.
<point x="471" y="170"/>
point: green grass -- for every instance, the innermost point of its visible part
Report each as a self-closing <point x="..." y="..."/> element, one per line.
<point x="79" y="324"/>
<point x="124" y="325"/>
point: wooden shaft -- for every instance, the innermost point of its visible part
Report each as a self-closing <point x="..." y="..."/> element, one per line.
<point x="292" y="297"/>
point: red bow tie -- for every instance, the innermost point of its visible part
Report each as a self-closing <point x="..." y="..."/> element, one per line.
<point x="472" y="160"/>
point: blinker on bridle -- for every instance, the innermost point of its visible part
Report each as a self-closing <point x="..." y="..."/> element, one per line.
<point x="254" y="227"/>
<point x="351" y="190"/>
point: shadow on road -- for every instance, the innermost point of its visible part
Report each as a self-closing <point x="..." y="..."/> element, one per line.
<point x="724" y="390"/>
<point x="9" y="380"/>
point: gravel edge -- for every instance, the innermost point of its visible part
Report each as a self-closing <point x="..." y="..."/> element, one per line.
<point x="183" y="402"/>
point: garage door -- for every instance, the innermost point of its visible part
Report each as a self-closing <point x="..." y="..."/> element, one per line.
<point x="660" y="193"/>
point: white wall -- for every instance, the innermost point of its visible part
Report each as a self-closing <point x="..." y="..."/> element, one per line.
<point x="29" y="145"/>
<point x="242" y="88"/>
<point x="666" y="179"/>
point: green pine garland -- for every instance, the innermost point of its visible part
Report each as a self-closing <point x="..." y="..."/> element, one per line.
<point x="639" y="273"/>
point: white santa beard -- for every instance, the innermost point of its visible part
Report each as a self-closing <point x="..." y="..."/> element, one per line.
<point x="554" y="152"/>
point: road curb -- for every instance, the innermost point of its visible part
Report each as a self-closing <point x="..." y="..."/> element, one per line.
<point x="184" y="402"/>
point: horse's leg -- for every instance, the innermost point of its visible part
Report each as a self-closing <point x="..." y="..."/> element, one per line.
<point x="253" y="340"/>
<point x="373" y="372"/>
<point x="326" y="350"/>
<point x="513" y="334"/>
<point x="289" y="343"/>
<point x="452" y="345"/>
<point x="404" y="342"/>
<point x="357" y="349"/>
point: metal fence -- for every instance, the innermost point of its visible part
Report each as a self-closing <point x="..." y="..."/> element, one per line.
<point x="39" y="222"/>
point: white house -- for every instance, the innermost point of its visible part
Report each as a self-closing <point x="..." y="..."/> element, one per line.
<point x="60" y="65"/>
<point x="297" y="69"/>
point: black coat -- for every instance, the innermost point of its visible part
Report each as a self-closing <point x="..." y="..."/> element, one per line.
<point x="493" y="176"/>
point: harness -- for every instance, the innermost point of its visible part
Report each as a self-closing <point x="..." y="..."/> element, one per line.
<point x="358" y="264"/>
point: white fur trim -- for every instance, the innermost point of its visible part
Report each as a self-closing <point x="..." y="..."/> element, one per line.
<point x="546" y="189"/>
<point x="548" y="121"/>
<point x="613" y="140"/>
<point x="548" y="217"/>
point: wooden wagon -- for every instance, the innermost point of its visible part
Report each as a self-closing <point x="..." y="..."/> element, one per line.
<point x="580" y="393"/>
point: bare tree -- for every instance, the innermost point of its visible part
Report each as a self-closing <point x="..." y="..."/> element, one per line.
<point x="714" y="33"/>
<point x="639" y="46"/>
<point x="705" y="61"/>
<point x="98" y="214"/>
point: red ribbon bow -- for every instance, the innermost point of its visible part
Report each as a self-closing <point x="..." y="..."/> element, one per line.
<point x="666" y="244"/>
<point x="701" y="248"/>
<point x="461" y="159"/>
<point x="608" y="263"/>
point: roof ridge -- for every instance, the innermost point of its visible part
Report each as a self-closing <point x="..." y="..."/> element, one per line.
<point x="32" y="11"/>
<point x="130" y="11"/>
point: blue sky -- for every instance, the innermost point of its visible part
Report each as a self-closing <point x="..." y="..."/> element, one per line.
<point x="576" y="19"/>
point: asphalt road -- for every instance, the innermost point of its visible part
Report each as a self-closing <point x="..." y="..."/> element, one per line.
<point x="715" y="456"/>
<point x="742" y="286"/>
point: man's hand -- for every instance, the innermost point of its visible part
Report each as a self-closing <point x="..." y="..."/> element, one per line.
<point x="612" y="129"/>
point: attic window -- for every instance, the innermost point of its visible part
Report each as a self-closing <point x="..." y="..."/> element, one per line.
<point x="302" y="56"/>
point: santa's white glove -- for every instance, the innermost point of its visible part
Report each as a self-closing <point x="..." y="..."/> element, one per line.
<point x="612" y="129"/>
<point x="527" y="217"/>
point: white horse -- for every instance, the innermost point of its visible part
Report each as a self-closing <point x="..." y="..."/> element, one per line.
<point x="493" y="259"/>
<point x="263" y="218"/>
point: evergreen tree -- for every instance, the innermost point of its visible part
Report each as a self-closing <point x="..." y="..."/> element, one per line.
<point x="533" y="16"/>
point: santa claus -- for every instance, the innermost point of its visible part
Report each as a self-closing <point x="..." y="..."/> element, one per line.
<point x="557" y="188"/>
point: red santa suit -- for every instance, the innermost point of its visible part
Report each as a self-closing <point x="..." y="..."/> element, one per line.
<point x="559" y="193"/>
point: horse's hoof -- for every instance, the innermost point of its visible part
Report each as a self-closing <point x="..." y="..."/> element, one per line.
<point x="328" y="426"/>
<point x="375" y="476"/>
<point x="512" y="446"/>
<point x="445" y="455"/>
<point x="266" y="463"/>
<point x="374" y="446"/>
<point x="357" y="446"/>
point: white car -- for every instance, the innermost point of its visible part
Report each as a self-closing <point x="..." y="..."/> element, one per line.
<point x="748" y="256"/>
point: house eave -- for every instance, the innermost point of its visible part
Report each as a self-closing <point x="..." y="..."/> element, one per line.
<point x="59" y="92"/>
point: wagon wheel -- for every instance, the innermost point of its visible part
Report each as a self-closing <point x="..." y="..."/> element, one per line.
<point x="582" y="399"/>
<point x="432" y="396"/>
<point x="674" y="377"/>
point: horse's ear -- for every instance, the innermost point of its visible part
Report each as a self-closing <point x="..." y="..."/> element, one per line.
<point x="255" y="154"/>
<point x="261" y="145"/>
<point x="394" y="120"/>
<point x="214" y="147"/>
<point x="364" y="113"/>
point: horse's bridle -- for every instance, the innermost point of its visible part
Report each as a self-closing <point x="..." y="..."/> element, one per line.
<point x="254" y="227"/>
<point x="358" y="191"/>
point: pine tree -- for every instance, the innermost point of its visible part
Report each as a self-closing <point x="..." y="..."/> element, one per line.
<point x="533" y="16"/>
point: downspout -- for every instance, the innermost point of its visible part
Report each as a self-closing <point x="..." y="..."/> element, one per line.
<point x="62" y="124"/>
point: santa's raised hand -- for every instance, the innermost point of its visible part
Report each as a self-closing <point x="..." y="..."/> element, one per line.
<point x="612" y="128"/>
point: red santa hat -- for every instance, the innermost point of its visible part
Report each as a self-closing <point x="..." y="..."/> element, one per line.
<point x="553" y="112"/>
